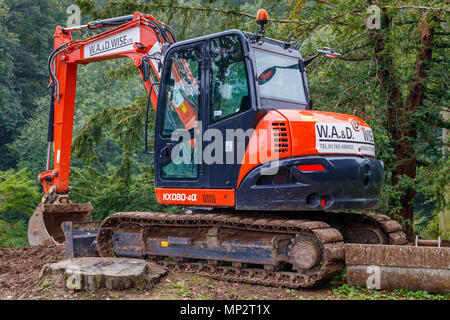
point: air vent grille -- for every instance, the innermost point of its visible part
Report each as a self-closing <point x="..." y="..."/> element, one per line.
<point x="209" y="198"/>
<point x="281" y="137"/>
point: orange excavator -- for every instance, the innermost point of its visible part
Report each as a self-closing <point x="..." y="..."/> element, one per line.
<point x="273" y="189"/>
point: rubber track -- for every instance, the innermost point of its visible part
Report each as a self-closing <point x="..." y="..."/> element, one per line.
<point x="330" y="239"/>
<point x="391" y="228"/>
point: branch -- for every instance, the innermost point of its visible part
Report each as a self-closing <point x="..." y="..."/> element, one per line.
<point x="417" y="88"/>
<point x="360" y="58"/>
<point x="225" y="11"/>
<point x="326" y="3"/>
<point x="340" y="97"/>
<point x="417" y="7"/>
<point x="240" y="13"/>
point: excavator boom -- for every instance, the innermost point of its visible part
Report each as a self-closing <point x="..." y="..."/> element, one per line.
<point x="139" y="37"/>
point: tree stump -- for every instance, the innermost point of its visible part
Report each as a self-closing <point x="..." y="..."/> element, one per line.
<point x="93" y="273"/>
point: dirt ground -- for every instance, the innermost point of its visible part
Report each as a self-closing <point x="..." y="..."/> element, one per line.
<point x="20" y="268"/>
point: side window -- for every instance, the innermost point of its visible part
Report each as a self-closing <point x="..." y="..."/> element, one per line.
<point x="182" y="90"/>
<point x="181" y="106"/>
<point x="229" y="87"/>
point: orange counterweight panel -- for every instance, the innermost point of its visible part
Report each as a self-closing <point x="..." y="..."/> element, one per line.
<point x="303" y="128"/>
<point x="289" y="133"/>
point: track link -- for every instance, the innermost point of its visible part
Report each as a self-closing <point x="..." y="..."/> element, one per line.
<point x="329" y="240"/>
<point x="388" y="229"/>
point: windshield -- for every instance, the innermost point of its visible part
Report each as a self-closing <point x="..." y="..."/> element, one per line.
<point x="279" y="77"/>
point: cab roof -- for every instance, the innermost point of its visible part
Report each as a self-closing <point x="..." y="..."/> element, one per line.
<point x="253" y="39"/>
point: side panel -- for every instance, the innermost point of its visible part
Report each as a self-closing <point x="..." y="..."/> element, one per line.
<point x="270" y="142"/>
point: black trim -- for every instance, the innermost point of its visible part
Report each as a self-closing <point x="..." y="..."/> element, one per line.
<point x="348" y="183"/>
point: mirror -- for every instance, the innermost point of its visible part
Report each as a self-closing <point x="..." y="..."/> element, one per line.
<point x="266" y="75"/>
<point x="328" y="52"/>
<point x="145" y="68"/>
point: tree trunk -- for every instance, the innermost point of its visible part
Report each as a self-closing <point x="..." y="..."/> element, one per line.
<point x="401" y="124"/>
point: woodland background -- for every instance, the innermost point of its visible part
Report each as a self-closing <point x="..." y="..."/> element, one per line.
<point x="396" y="78"/>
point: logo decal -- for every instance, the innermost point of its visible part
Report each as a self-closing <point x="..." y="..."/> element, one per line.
<point x="356" y="125"/>
<point x="117" y="43"/>
<point x="344" y="138"/>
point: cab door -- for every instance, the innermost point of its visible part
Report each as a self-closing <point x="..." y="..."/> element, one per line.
<point x="231" y="109"/>
<point x="180" y="107"/>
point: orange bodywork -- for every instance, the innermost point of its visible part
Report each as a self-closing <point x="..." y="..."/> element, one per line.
<point x="279" y="134"/>
<point x="300" y="135"/>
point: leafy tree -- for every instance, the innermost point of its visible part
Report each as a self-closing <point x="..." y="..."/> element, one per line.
<point x="10" y="115"/>
<point x="389" y="76"/>
<point x="18" y="199"/>
<point x="34" y="22"/>
<point x="26" y="33"/>
<point x="13" y="234"/>
<point x="30" y="146"/>
<point x="18" y="195"/>
<point x="109" y="195"/>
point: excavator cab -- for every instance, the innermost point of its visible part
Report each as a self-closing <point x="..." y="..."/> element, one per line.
<point x="214" y="85"/>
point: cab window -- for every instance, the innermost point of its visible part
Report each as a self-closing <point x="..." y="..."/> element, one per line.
<point x="181" y="108"/>
<point x="229" y="87"/>
<point x="182" y="91"/>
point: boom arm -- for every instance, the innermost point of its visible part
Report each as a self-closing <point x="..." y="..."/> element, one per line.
<point x="139" y="37"/>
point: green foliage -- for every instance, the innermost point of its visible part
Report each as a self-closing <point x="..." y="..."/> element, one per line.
<point x="18" y="195"/>
<point x="109" y="195"/>
<point x="125" y="128"/>
<point x="13" y="234"/>
<point x="362" y="293"/>
<point x="10" y="115"/>
<point x="30" y="146"/>
<point x="434" y="185"/>
<point x="26" y="29"/>
<point x="18" y="199"/>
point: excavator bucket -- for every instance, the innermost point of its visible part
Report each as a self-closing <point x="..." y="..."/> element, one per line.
<point x="44" y="226"/>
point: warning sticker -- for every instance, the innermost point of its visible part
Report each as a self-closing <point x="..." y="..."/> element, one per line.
<point x="344" y="138"/>
<point x="177" y="97"/>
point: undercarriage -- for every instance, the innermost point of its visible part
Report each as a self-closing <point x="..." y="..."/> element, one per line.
<point x="258" y="248"/>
